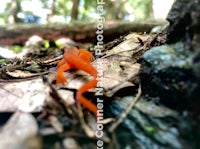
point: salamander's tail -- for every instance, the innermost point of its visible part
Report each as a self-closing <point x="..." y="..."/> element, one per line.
<point x="85" y="102"/>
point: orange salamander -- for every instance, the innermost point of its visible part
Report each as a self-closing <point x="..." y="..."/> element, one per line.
<point x="79" y="59"/>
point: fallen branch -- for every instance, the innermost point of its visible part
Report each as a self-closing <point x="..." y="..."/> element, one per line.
<point x="126" y="111"/>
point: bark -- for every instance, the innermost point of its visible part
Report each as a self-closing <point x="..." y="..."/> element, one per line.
<point x="13" y="12"/>
<point x="74" y="14"/>
<point x="52" y="11"/>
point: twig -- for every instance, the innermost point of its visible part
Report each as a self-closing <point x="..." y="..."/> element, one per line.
<point x="57" y="98"/>
<point x="90" y="133"/>
<point x="126" y="111"/>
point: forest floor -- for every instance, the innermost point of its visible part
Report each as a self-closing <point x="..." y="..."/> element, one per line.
<point x="150" y="96"/>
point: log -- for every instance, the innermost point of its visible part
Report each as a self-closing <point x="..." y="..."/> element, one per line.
<point x="84" y="33"/>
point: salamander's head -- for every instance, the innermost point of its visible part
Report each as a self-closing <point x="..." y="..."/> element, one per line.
<point x="73" y="51"/>
<point x="86" y="55"/>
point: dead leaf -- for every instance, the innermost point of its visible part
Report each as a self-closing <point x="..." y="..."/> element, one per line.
<point x="27" y="96"/>
<point x="23" y="74"/>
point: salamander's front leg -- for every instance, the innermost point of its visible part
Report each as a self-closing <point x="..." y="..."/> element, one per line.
<point x="60" y="77"/>
<point x="62" y="62"/>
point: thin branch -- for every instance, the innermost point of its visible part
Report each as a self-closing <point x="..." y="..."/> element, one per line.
<point x="90" y="133"/>
<point x="126" y="111"/>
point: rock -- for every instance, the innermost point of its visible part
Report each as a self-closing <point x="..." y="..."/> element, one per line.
<point x="20" y="132"/>
<point x="169" y="56"/>
<point x="5" y="53"/>
<point x="170" y="72"/>
<point x="70" y="143"/>
<point x="34" y="40"/>
<point x="146" y="125"/>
